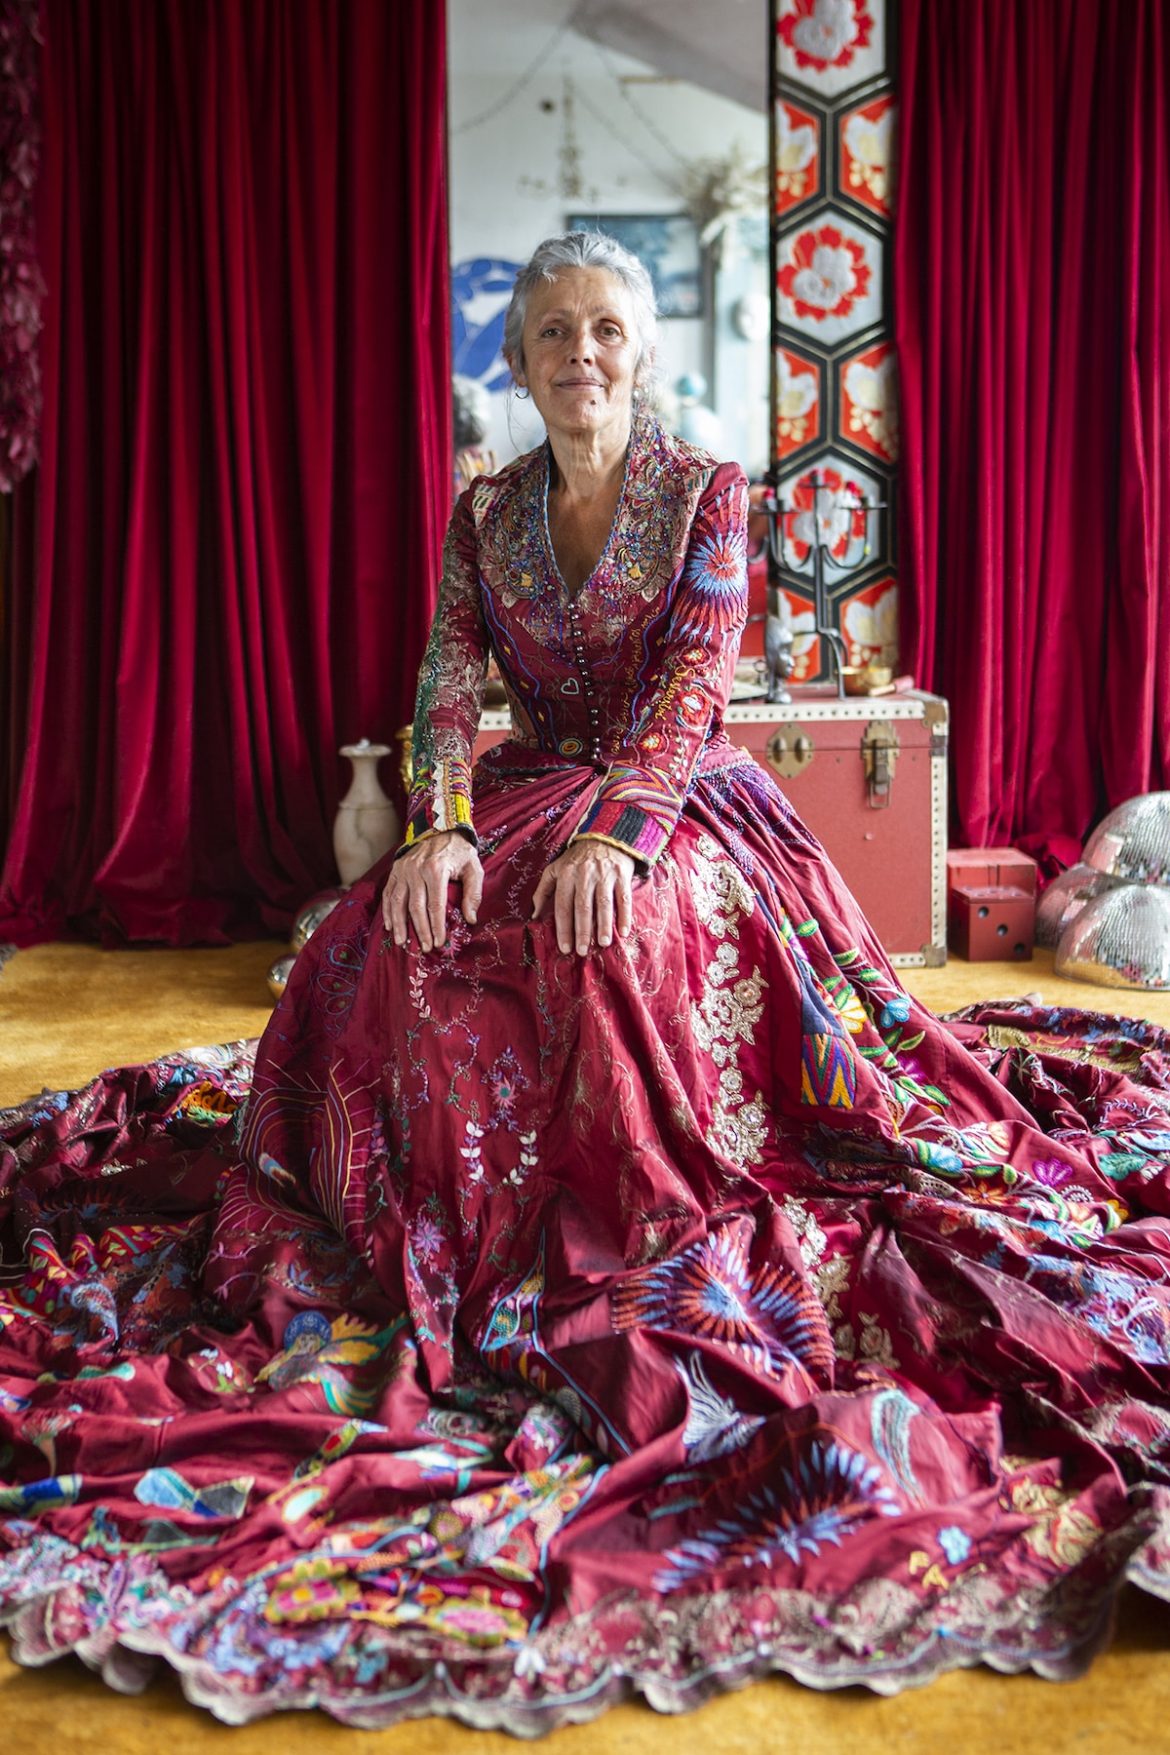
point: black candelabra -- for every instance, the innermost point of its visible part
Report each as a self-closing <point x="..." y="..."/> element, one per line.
<point x="858" y="547"/>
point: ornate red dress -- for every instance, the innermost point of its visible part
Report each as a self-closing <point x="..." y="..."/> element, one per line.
<point x="530" y="1328"/>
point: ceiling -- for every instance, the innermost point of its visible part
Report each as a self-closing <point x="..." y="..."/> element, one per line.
<point x="722" y="48"/>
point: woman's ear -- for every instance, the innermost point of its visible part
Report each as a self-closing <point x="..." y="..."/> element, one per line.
<point x="644" y="376"/>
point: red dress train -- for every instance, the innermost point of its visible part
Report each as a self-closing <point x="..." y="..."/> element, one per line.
<point x="529" y="1328"/>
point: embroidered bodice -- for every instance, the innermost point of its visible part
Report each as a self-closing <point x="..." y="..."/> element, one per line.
<point x="630" y="675"/>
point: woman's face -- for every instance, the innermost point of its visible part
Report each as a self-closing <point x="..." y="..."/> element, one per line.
<point x="580" y="352"/>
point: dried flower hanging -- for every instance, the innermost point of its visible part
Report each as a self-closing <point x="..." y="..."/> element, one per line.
<point x="21" y="284"/>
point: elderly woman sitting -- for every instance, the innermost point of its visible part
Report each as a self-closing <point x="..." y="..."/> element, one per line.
<point x="620" y="1281"/>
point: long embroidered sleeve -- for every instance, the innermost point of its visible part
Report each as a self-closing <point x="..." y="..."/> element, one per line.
<point x="450" y="691"/>
<point x="684" y="682"/>
<point x="628" y="676"/>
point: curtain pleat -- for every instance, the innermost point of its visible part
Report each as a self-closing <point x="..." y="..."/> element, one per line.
<point x="1032" y="320"/>
<point x="226" y="562"/>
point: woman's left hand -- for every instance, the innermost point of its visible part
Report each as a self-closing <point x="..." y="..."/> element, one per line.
<point x="591" y="883"/>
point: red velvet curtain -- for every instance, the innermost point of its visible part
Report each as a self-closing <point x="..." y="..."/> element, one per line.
<point x="1032" y="309"/>
<point x="226" y="562"/>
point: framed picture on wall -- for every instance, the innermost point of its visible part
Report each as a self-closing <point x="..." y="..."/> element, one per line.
<point x="668" y="243"/>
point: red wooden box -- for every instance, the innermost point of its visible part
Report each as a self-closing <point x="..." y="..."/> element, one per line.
<point x="992" y="923"/>
<point x="868" y="775"/>
<point x="989" y="866"/>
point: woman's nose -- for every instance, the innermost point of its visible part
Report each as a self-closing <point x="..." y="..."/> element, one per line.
<point x="582" y="346"/>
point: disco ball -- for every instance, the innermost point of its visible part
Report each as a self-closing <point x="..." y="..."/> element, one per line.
<point x="1120" y="939"/>
<point x="1133" y="841"/>
<point x="1064" y="898"/>
<point x="311" y="916"/>
<point x="279" y="973"/>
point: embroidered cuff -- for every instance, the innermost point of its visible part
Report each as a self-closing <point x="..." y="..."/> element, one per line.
<point x="635" y="808"/>
<point x="440" y="799"/>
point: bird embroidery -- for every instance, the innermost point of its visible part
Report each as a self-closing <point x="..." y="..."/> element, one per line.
<point x="326" y="1353"/>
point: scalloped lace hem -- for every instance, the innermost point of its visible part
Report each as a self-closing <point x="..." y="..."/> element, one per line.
<point x="880" y="1637"/>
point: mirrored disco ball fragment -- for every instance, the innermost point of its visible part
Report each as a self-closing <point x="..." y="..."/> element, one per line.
<point x="1064" y="898"/>
<point x="1133" y="841"/>
<point x="311" y="916"/>
<point x="279" y="973"/>
<point x="1120" y="939"/>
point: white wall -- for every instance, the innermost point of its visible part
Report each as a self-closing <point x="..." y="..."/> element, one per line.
<point x="506" y="172"/>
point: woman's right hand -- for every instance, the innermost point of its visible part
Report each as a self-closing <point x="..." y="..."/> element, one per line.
<point x="416" y="889"/>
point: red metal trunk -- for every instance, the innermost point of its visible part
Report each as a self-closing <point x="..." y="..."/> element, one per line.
<point x="868" y="775"/>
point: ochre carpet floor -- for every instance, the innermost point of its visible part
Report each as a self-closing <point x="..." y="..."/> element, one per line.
<point x="68" y="1011"/>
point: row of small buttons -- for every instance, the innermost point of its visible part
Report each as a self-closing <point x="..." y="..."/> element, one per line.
<point x="583" y="667"/>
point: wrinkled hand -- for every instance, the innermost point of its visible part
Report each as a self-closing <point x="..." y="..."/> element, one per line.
<point x="416" y="889"/>
<point x="591" y="886"/>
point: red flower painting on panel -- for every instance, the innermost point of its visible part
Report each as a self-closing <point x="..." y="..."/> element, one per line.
<point x="826" y="33"/>
<point x="838" y="512"/>
<point x="826" y="275"/>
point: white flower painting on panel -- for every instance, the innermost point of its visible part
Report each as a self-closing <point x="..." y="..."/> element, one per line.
<point x="828" y="280"/>
<point x="871" y="629"/>
<point x="869" y="140"/>
<point x="871" y="390"/>
<point x="825" y="33"/>
<point x="797" y="146"/>
<point x="796" y="397"/>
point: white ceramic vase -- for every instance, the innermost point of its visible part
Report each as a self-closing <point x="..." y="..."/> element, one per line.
<point x="367" y="824"/>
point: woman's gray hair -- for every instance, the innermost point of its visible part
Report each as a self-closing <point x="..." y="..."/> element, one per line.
<point x="472" y="411"/>
<point x="584" y="250"/>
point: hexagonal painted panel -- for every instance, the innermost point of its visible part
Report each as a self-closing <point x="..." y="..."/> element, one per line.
<point x="867" y="400"/>
<point x="845" y="530"/>
<point x="831" y="45"/>
<point x="798" y="160"/>
<point x="798" y="402"/>
<point x="869" y="622"/>
<point x="806" y="645"/>
<point x="867" y="154"/>
<point x="829" y="278"/>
